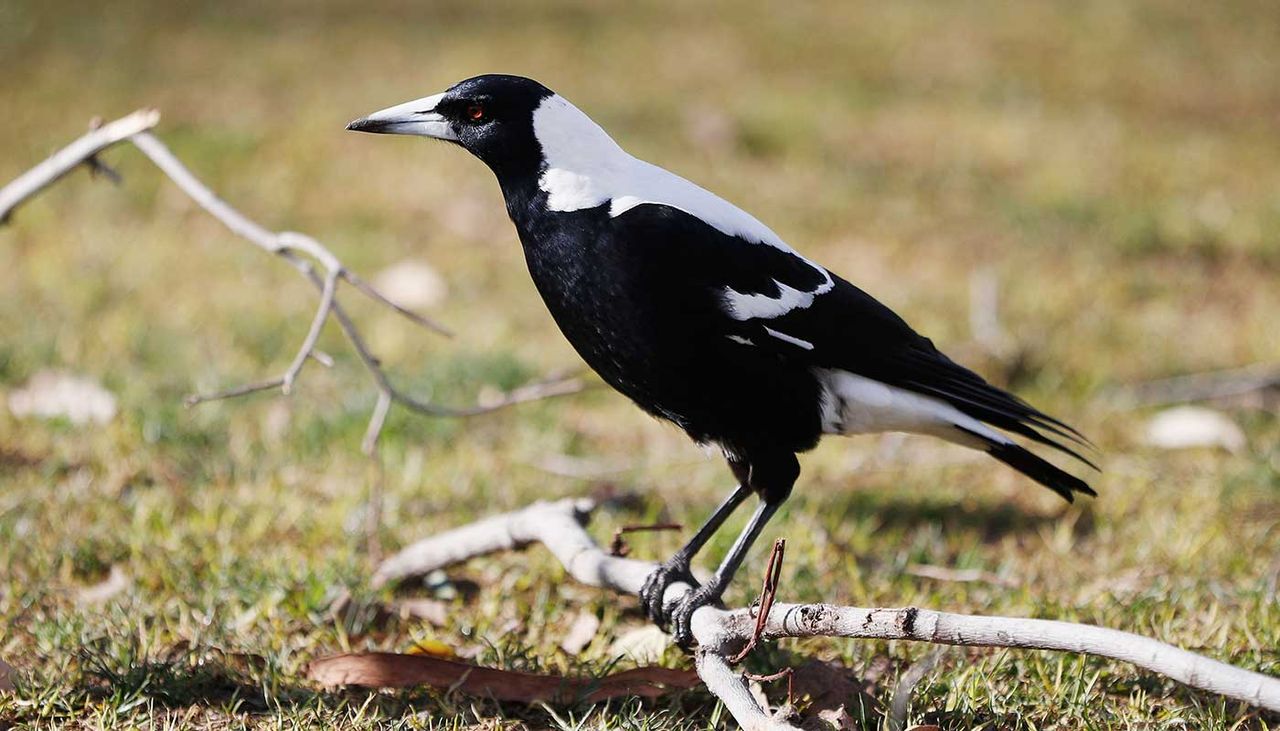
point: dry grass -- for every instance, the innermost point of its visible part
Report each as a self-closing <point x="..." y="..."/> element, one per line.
<point x="1114" y="165"/>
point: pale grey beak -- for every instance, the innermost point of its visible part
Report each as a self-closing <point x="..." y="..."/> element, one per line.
<point x="417" y="117"/>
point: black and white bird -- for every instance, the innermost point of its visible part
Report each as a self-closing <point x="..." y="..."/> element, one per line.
<point x="703" y="316"/>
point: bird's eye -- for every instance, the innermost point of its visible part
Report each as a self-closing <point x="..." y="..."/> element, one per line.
<point x="475" y="112"/>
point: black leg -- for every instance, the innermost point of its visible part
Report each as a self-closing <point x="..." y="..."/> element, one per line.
<point x="676" y="568"/>
<point x="711" y="592"/>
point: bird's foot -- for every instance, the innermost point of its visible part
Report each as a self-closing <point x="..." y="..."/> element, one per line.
<point x="682" y="613"/>
<point x="676" y="569"/>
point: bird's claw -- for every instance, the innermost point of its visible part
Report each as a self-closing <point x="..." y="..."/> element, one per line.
<point x="682" y="614"/>
<point x="655" y="588"/>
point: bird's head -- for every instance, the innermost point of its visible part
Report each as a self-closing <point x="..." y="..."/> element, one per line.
<point x="491" y="116"/>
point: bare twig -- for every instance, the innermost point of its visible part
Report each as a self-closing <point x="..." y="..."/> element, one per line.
<point x="301" y="251"/>
<point x="720" y="634"/>
<point x="984" y="313"/>
<point x="768" y="592"/>
<point x="897" y="720"/>
<point x="72" y="156"/>
<point x="618" y="546"/>
<point x="788" y="673"/>
<point x="1207" y="386"/>
<point x="961" y="576"/>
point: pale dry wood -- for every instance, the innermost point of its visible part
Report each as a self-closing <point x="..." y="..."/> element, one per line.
<point x="561" y="527"/>
<point x="73" y="156"/>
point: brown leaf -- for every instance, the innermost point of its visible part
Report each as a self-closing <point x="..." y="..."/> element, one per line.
<point x="830" y="685"/>
<point x="116" y="582"/>
<point x="6" y="677"/>
<point x="390" y="670"/>
<point x="925" y="727"/>
<point x="581" y="633"/>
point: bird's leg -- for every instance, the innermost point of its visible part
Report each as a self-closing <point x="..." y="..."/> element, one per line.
<point x="676" y="568"/>
<point x="771" y="476"/>
<point x="710" y="592"/>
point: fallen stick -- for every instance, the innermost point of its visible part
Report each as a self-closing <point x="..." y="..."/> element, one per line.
<point x="721" y="634"/>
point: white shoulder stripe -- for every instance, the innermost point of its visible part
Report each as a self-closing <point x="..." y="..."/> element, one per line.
<point x="586" y="168"/>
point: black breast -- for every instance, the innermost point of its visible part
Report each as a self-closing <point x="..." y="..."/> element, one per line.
<point x="637" y="309"/>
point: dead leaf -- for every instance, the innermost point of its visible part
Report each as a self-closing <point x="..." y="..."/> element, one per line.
<point x="433" y="611"/>
<point x="581" y="633"/>
<point x="116" y="582"/>
<point x="390" y="670"/>
<point x="832" y="687"/>
<point x="1186" y="427"/>
<point x="925" y="727"/>
<point x="433" y="648"/>
<point x="840" y="719"/>
<point x="412" y="284"/>
<point x="57" y="394"/>
<point x="645" y="644"/>
<point x="6" y="677"/>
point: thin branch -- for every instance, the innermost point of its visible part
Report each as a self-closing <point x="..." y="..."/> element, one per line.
<point x="764" y="604"/>
<point x="618" y="545"/>
<point x="369" y="291"/>
<point x="301" y="251"/>
<point x="317" y="326"/>
<point x="1207" y="386"/>
<point x="560" y="526"/>
<point x="72" y="156"/>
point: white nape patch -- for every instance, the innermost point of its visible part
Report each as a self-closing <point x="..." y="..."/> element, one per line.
<point x="740" y="339"/>
<point x="586" y="168"/>
<point x="853" y="404"/>
<point x="788" y="339"/>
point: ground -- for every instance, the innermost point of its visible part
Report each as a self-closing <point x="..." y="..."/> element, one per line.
<point x="1112" y="166"/>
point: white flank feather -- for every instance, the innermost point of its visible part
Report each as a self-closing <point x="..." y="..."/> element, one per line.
<point x="853" y="404"/>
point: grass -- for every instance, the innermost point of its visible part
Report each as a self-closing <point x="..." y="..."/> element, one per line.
<point x="1113" y="165"/>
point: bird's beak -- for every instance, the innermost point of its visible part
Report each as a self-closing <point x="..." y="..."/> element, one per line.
<point x="417" y="117"/>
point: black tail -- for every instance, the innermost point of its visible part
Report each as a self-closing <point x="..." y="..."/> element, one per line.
<point x="1037" y="468"/>
<point x="1040" y="470"/>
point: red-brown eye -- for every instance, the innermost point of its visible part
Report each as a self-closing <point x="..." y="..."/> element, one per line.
<point x="475" y="112"/>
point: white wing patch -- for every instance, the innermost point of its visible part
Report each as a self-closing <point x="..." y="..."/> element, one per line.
<point x="788" y="339"/>
<point x="853" y="404"/>
<point x="750" y="306"/>
<point x="586" y="168"/>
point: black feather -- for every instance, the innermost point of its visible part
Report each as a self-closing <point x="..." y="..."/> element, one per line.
<point x="1036" y="467"/>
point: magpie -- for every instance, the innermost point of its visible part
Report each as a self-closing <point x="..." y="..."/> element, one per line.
<point x="704" y="317"/>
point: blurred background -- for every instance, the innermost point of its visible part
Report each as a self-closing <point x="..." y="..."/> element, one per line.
<point x="1072" y="197"/>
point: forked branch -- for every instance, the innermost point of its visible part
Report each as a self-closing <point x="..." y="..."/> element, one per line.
<point x="721" y="634"/>
<point x="311" y="258"/>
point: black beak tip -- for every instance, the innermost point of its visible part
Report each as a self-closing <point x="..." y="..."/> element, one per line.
<point x="366" y="125"/>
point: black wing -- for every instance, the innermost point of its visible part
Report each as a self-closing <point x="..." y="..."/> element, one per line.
<point x="830" y="323"/>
